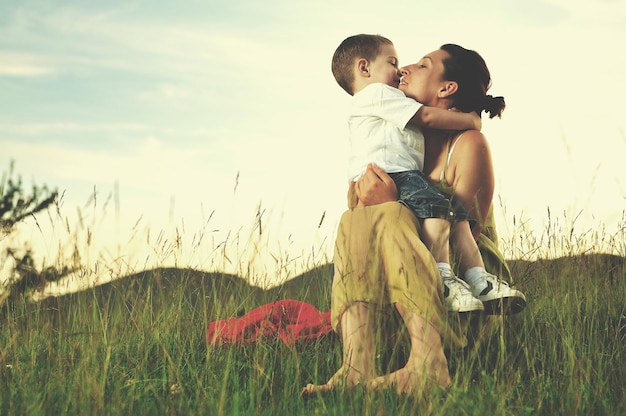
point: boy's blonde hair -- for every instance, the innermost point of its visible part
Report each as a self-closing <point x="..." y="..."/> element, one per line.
<point x="352" y="48"/>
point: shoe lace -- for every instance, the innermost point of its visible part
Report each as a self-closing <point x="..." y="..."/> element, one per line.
<point x="495" y="281"/>
<point x="452" y="281"/>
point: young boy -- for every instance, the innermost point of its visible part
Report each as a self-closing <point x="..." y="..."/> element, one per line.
<point x="385" y="128"/>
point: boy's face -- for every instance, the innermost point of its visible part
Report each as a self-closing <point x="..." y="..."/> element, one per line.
<point x="384" y="68"/>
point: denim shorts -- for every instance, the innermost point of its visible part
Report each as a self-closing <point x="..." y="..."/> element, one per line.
<point x="426" y="201"/>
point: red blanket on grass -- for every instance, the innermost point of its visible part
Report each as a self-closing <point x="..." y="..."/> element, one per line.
<point x="291" y="320"/>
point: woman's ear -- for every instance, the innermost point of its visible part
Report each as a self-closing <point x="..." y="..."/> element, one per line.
<point x="363" y="67"/>
<point x="448" y="89"/>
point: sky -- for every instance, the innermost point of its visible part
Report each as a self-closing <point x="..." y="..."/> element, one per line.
<point x="212" y="135"/>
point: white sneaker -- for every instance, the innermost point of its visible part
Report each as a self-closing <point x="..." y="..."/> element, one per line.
<point x="457" y="296"/>
<point x="498" y="297"/>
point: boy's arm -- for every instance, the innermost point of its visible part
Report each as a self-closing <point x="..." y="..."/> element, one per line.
<point x="444" y="119"/>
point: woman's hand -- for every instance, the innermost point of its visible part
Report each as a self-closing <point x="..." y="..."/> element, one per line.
<point x="374" y="187"/>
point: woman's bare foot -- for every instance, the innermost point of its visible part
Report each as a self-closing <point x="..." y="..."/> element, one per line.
<point x="343" y="377"/>
<point x="311" y="389"/>
<point x="417" y="376"/>
<point x="427" y="364"/>
<point x="403" y="380"/>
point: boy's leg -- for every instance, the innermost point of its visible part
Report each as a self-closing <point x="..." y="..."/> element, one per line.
<point x="431" y="207"/>
<point x="435" y="211"/>
<point x="358" y="343"/>
<point x="427" y="362"/>
<point x="435" y="234"/>
<point x="466" y="252"/>
<point x="495" y="294"/>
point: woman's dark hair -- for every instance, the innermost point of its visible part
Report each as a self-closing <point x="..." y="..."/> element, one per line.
<point x="468" y="69"/>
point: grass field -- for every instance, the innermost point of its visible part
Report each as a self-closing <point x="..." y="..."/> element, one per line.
<point x="137" y="346"/>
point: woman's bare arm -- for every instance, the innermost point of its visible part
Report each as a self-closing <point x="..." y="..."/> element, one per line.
<point x="472" y="176"/>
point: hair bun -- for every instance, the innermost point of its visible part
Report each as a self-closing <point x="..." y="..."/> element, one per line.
<point x="493" y="105"/>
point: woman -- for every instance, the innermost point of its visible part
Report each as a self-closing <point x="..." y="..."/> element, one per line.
<point x="379" y="258"/>
<point x="459" y="163"/>
<point x="454" y="77"/>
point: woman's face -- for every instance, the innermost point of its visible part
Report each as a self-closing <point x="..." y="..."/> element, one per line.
<point x="422" y="81"/>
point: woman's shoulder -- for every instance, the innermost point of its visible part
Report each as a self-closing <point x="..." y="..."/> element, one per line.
<point x="469" y="135"/>
<point x="469" y="140"/>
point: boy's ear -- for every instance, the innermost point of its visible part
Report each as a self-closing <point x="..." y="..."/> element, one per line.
<point x="448" y="89"/>
<point x="363" y="67"/>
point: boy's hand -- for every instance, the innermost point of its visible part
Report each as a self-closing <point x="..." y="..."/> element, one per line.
<point x="478" y="124"/>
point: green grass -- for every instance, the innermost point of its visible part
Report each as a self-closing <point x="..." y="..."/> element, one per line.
<point x="137" y="346"/>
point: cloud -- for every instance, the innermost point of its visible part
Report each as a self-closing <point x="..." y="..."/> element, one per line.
<point x="602" y="13"/>
<point x="16" y="64"/>
<point x="20" y="70"/>
<point x="122" y="39"/>
<point x="168" y="94"/>
<point x="54" y="128"/>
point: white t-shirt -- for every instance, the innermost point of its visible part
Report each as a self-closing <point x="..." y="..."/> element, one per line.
<point x="379" y="133"/>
